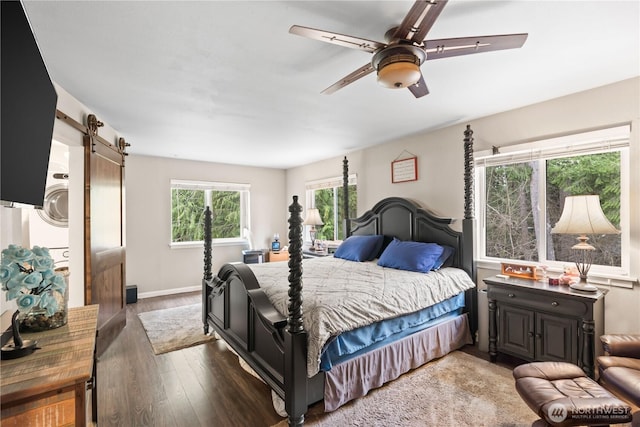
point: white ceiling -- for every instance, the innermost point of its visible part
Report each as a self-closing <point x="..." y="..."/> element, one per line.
<point x="224" y="81"/>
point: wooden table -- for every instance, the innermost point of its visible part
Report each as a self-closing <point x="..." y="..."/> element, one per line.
<point x="49" y="387"/>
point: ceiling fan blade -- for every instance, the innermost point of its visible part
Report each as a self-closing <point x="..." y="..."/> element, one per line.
<point x="420" y="88"/>
<point x="339" y="39"/>
<point x="419" y="20"/>
<point x="357" y="74"/>
<point x="445" y="48"/>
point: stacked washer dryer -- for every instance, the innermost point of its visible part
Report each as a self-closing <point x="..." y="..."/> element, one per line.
<point x="49" y="226"/>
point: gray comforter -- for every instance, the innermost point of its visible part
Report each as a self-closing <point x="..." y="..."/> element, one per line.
<point x="340" y="295"/>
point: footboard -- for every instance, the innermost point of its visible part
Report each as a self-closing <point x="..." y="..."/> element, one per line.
<point x="238" y="310"/>
<point x="273" y="345"/>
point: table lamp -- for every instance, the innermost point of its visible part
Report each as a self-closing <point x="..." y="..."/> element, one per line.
<point x="583" y="215"/>
<point x="313" y="219"/>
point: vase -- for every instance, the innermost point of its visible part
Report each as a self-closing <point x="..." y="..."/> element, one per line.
<point x="37" y="319"/>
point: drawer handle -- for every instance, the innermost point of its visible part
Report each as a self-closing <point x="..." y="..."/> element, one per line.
<point x="555" y="304"/>
<point x="511" y="296"/>
<point x="530" y="333"/>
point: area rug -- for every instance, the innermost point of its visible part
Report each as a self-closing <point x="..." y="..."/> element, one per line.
<point x="174" y="328"/>
<point x="456" y="390"/>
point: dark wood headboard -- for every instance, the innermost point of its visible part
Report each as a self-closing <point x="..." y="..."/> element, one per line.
<point x="405" y="219"/>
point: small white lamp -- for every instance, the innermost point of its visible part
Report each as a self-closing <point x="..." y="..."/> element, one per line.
<point x="583" y="215"/>
<point x="313" y="219"/>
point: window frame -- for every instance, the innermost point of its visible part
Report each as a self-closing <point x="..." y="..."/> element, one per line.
<point x="585" y="143"/>
<point x="336" y="183"/>
<point x="208" y="186"/>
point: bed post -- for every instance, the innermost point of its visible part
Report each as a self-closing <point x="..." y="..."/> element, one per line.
<point x="468" y="224"/>
<point x="207" y="276"/>
<point x="345" y="194"/>
<point x="295" y="337"/>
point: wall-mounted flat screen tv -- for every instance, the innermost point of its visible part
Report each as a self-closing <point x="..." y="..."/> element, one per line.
<point x="27" y="111"/>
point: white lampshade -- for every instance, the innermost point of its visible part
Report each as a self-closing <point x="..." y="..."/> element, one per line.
<point x="313" y="217"/>
<point x="583" y="215"/>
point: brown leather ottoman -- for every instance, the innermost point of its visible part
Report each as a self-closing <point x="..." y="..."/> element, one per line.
<point x="562" y="395"/>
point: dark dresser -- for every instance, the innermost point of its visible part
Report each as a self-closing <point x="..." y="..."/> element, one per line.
<point x="536" y="321"/>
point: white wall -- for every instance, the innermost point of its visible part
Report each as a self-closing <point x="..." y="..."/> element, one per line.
<point x="10" y="233"/>
<point x="158" y="269"/>
<point x="440" y="184"/>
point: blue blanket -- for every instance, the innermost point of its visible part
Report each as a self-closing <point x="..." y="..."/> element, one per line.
<point x="352" y="343"/>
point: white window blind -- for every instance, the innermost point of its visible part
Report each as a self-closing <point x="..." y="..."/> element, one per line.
<point x="593" y="142"/>
<point x="206" y="185"/>
<point x="330" y="182"/>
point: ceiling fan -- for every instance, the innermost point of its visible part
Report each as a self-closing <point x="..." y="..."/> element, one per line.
<point x="397" y="62"/>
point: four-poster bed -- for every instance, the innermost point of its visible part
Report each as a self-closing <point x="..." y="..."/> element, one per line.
<point x="282" y="335"/>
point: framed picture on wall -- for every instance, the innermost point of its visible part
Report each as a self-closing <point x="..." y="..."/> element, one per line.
<point x="404" y="170"/>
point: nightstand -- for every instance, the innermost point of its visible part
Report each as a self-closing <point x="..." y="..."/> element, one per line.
<point x="253" y="256"/>
<point x="278" y="256"/>
<point x="539" y="322"/>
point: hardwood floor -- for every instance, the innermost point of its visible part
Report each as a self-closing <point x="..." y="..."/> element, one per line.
<point x="197" y="386"/>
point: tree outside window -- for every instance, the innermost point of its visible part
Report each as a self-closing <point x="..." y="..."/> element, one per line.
<point x="187" y="215"/>
<point x="593" y="174"/>
<point x="229" y="207"/>
<point x="524" y="201"/>
<point x="329" y="202"/>
<point x="509" y="214"/>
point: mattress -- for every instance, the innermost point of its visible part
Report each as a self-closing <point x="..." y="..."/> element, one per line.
<point x="340" y="295"/>
<point x="352" y="343"/>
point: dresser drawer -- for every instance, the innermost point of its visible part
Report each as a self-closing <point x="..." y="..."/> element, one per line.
<point x="538" y="301"/>
<point x="278" y="256"/>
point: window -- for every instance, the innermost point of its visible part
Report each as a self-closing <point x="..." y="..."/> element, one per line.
<point x="229" y="205"/>
<point x="327" y="196"/>
<point x="522" y="191"/>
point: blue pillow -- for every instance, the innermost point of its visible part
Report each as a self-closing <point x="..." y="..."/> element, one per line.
<point x="444" y="260"/>
<point x="359" y="248"/>
<point x="410" y="256"/>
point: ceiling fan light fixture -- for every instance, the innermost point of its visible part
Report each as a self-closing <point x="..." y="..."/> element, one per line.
<point x="398" y="66"/>
<point x="399" y="75"/>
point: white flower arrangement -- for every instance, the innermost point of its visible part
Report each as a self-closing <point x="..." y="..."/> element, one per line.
<point x="28" y="276"/>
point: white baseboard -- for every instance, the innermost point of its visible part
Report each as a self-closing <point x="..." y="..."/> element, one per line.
<point x="168" y="292"/>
